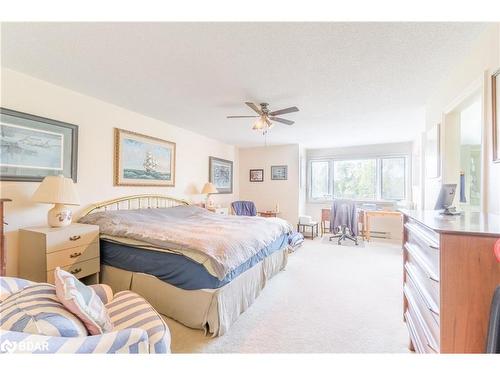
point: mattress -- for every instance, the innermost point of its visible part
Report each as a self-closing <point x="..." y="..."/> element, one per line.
<point x="177" y="269"/>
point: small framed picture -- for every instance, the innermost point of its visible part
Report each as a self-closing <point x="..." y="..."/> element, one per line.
<point x="279" y="172"/>
<point x="256" y="175"/>
<point x="220" y="173"/>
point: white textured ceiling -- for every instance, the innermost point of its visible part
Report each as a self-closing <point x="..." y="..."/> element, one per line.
<point x="355" y="83"/>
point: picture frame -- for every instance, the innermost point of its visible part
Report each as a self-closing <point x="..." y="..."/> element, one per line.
<point x="279" y="172"/>
<point x="433" y="151"/>
<point x="495" y="96"/>
<point x="142" y="160"/>
<point x="34" y="147"/>
<point x="220" y="173"/>
<point x="256" y="175"/>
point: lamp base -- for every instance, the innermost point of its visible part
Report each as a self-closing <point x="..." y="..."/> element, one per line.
<point x="59" y="216"/>
<point x="209" y="202"/>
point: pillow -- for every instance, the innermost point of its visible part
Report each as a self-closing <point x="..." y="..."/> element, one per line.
<point x="35" y="309"/>
<point x="82" y="301"/>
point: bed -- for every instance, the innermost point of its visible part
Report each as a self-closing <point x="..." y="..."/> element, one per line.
<point x="197" y="267"/>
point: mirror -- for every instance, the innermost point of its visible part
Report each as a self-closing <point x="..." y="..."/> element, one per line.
<point x="470" y="156"/>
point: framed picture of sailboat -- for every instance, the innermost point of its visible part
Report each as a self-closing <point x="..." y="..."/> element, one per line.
<point x="141" y="160"/>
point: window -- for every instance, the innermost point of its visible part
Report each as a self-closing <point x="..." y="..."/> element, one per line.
<point x="320" y="180"/>
<point x="381" y="178"/>
<point x="393" y="178"/>
<point x="355" y="179"/>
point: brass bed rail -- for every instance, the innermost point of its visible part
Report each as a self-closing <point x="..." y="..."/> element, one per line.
<point x="132" y="202"/>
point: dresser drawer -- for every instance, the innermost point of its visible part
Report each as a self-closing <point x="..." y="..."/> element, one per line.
<point x="418" y="344"/>
<point x="423" y="274"/>
<point x="423" y="231"/>
<point x="428" y="321"/>
<point x="73" y="236"/>
<point x="79" y="269"/>
<point x="71" y="256"/>
<point x="416" y="335"/>
<point x="427" y="249"/>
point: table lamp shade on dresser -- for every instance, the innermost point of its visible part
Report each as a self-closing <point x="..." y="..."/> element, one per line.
<point x="208" y="189"/>
<point x="61" y="191"/>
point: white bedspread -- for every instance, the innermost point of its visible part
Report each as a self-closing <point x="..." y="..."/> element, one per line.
<point x="228" y="241"/>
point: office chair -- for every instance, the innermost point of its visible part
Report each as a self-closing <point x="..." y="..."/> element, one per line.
<point x="344" y="218"/>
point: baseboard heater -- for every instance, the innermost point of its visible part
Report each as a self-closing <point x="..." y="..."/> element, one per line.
<point x="384" y="235"/>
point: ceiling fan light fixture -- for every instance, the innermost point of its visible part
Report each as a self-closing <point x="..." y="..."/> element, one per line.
<point x="260" y="124"/>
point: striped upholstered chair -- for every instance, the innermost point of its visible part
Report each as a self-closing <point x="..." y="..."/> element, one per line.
<point x="137" y="326"/>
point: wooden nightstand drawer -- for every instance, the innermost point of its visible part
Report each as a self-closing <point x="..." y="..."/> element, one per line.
<point x="42" y="249"/>
<point x="71" y="256"/>
<point x="72" y="237"/>
<point x="79" y="269"/>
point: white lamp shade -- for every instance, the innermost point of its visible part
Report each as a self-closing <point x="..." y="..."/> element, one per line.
<point x="209" y="188"/>
<point x="57" y="189"/>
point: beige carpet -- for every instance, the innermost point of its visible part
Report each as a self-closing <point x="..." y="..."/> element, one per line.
<point x="329" y="299"/>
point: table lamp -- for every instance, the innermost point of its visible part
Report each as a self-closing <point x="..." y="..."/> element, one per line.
<point x="60" y="191"/>
<point x="208" y="189"/>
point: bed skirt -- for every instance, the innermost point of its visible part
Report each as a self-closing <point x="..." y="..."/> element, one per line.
<point x="212" y="310"/>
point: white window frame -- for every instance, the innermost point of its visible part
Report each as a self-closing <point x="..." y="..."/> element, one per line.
<point x="378" y="158"/>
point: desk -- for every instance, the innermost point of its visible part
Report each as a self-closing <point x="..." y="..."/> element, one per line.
<point x="369" y="214"/>
<point x="268" y="213"/>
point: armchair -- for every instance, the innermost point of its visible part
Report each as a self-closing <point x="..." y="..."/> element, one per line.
<point x="138" y="328"/>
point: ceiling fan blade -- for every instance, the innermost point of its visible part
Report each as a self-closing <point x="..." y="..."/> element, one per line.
<point x="282" y="120"/>
<point x="240" y="116"/>
<point x="254" y="107"/>
<point x="283" y="111"/>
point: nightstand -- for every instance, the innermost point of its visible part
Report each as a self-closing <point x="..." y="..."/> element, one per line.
<point x="219" y="210"/>
<point x="74" y="248"/>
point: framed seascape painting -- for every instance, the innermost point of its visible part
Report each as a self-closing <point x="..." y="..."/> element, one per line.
<point x="256" y="175"/>
<point x="33" y="147"/>
<point x="141" y="160"/>
<point x="221" y="174"/>
<point x="279" y="172"/>
<point x="432" y="152"/>
<point x="495" y="85"/>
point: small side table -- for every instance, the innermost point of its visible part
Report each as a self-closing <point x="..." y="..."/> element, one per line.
<point x="268" y="213"/>
<point x="301" y="228"/>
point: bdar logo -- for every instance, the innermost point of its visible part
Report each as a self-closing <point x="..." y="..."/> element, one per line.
<point x="7" y="346"/>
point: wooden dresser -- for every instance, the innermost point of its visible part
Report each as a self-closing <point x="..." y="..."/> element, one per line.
<point x="74" y="248"/>
<point x="450" y="273"/>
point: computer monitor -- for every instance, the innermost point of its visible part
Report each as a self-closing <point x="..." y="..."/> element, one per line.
<point x="445" y="199"/>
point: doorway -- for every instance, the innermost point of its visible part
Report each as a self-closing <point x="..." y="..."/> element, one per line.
<point x="463" y="152"/>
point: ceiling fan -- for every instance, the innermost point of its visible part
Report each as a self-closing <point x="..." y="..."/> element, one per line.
<point x="267" y="117"/>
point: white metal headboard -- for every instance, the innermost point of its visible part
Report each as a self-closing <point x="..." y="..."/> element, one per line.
<point x="133" y="202"/>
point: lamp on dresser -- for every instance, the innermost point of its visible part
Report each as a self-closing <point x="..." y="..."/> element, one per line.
<point x="60" y="191"/>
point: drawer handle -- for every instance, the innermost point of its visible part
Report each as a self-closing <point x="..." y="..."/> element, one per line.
<point x="75" y="255"/>
<point x="419" y="291"/>
<point x="75" y="271"/>
<point x="74" y="238"/>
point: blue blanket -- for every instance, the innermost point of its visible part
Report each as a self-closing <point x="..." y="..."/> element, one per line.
<point x="176" y="269"/>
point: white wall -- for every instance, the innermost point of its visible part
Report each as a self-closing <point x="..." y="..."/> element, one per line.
<point x="96" y="120"/>
<point x="382" y="224"/>
<point x="480" y="62"/>
<point x="266" y="194"/>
